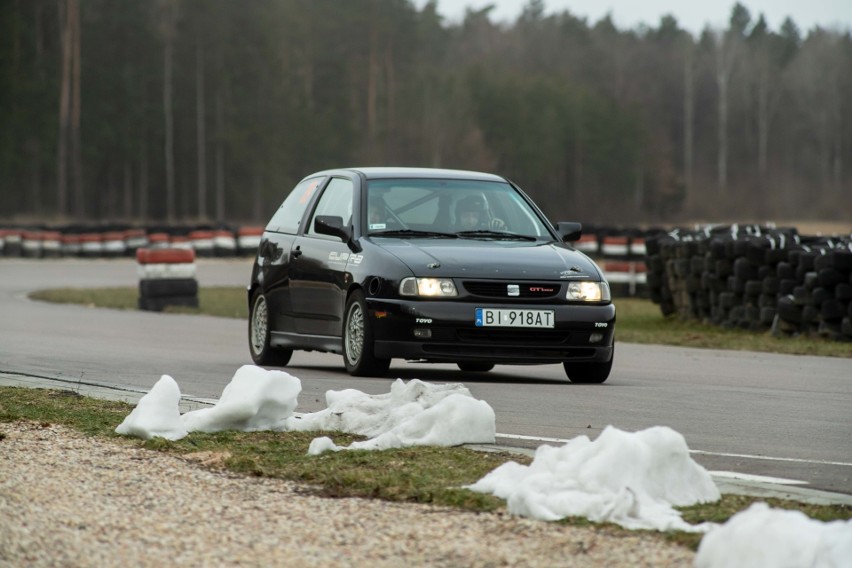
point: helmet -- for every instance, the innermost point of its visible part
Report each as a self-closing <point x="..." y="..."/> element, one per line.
<point x="473" y="204"/>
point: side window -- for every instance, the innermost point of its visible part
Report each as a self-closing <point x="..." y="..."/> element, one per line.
<point x="289" y="215"/>
<point x="335" y="200"/>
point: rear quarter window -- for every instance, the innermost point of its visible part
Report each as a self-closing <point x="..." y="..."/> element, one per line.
<point x="289" y="216"/>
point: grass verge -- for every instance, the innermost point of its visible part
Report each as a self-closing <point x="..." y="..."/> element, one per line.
<point x="639" y="321"/>
<point x="420" y="475"/>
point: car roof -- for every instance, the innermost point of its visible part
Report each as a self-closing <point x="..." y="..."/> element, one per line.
<point x="400" y="172"/>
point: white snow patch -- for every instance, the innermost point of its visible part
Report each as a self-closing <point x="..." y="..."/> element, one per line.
<point x="255" y="399"/>
<point x="157" y="414"/>
<point x="452" y="421"/>
<point x="762" y="536"/>
<point x="411" y="414"/>
<point x="632" y="479"/>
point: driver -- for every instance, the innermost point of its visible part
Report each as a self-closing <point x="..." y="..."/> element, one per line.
<point x="472" y="213"/>
<point x="378" y="214"/>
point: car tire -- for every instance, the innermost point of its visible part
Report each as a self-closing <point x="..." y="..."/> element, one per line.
<point x="262" y="353"/>
<point x="358" y="340"/>
<point x="589" y="373"/>
<point x="475" y="367"/>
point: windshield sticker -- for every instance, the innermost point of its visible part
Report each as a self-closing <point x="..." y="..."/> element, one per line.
<point x="377" y="226"/>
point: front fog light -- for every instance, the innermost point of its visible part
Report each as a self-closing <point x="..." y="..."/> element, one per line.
<point x="588" y="291"/>
<point x="595" y="337"/>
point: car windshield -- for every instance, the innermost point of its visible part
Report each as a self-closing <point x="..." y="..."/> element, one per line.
<point x="450" y="208"/>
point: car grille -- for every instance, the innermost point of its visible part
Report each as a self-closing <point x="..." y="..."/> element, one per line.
<point x="493" y="289"/>
<point x="514" y="337"/>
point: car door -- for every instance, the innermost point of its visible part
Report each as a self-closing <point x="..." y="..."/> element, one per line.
<point x="274" y="258"/>
<point x="318" y="279"/>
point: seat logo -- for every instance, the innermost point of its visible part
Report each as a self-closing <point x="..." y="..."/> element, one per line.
<point x="513" y="290"/>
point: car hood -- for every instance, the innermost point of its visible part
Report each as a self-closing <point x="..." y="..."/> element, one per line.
<point x="472" y="258"/>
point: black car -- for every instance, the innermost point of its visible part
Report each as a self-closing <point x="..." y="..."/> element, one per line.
<point x="429" y="265"/>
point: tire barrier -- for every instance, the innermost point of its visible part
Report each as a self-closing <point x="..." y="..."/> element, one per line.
<point x="756" y="278"/>
<point x="224" y="243"/>
<point x="248" y="239"/>
<point x="166" y="278"/>
<point x="121" y="241"/>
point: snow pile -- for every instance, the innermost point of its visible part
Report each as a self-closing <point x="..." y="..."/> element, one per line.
<point x="632" y="479"/>
<point x="411" y="414"/>
<point x="255" y="399"/>
<point x="157" y="414"/>
<point x="761" y="536"/>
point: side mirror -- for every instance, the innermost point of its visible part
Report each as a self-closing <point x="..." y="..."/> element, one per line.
<point x="333" y="225"/>
<point x="569" y="231"/>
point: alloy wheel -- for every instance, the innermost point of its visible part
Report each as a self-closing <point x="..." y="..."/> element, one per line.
<point x="354" y="333"/>
<point x="259" y="326"/>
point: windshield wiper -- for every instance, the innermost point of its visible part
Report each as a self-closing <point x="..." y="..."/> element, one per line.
<point x="486" y="233"/>
<point x="413" y="233"/>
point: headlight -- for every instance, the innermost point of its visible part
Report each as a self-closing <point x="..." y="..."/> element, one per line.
<point x="587" y="291"/>
<point x="429" y="287"/>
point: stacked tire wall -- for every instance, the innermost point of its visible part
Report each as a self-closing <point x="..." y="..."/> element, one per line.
<point x="166" y="278"/>
<point x="122" y="241"/>
<point x="754" y="277"/>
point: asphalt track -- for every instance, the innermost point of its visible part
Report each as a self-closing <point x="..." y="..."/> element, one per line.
<point x="781" y="416"/>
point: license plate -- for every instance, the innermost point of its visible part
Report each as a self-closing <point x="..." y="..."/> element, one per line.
<point x="492" y="317"/>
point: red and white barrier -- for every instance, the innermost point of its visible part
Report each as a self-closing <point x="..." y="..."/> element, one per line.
<point x="31" y="244"/>
<point x="625" y="277"/>
<point x="113" y="244"/>
<point x="71" y="245"/>
<point x="158" y="240"/>
<point x="224" y="243"/>
<point x="51" y="244"/>
<point x="166" y="278"/>
<point x="248" y="239"/>
<point x="135" y="239"/>
<point x="91" y="245"/>
<point x="615" y="246"/>
<point x="587" y="244"/>
<point x="202" y="242"/>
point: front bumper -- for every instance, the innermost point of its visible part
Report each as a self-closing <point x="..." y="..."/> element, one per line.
<point x="582" y="333"/>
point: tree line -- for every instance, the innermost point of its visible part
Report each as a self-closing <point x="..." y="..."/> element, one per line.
<point x="211" y="110"/>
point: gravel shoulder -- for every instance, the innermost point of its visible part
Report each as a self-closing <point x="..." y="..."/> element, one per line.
<point x="71" y="500"/>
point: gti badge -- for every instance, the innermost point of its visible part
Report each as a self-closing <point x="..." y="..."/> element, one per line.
<point x="513" y="290"/>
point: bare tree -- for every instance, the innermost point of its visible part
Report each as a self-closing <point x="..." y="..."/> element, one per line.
<point x="143" y="178"/>
<point x="76" y="143"/>
<point x="724" y="60"/>
<point x="220" y="155"/>
<point x="688" y="115"/>
<point x="64" y="109"/>
<point x="201" y="138"/>
<point x="728" y="45"/>
<point x="168" y="30"/>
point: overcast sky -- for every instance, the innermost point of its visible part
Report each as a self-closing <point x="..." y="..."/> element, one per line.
<point x="692" y="15"/>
